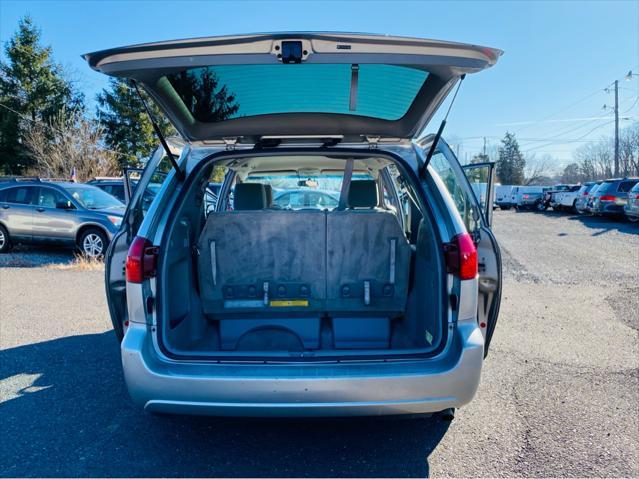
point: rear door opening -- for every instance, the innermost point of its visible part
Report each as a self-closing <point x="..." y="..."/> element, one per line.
<point x="281" y="269"/>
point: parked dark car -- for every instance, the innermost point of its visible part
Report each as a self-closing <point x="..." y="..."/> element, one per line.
<point x="583" y="196"/>
<point x="611" y="197"/>
<point x="631" y="209"/>
<point x="113" y="186"/>
<point x="59" y="213"/>
<point x="591" y="197"/>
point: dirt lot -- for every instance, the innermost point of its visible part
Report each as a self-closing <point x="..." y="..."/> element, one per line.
<point x="559" y="394"/>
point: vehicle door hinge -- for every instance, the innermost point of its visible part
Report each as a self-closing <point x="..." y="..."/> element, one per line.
<point x="372" y="141"/>
<point x="230" y="143"/>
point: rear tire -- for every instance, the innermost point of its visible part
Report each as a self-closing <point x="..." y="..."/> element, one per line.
<point x="5" y="241"/>
<point x="93" y="243"/>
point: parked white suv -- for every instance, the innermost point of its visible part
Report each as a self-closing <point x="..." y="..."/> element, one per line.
<point x="376" y="292"/>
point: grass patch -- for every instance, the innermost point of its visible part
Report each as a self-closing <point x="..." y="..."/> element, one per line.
<point x="80" y="263"/>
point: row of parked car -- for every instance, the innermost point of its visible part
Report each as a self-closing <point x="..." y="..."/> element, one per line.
<point x="616" y="197"/>
<point x="39" y="211"/>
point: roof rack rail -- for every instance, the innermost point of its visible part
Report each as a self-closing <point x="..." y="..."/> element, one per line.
<point x="19" y="178"/>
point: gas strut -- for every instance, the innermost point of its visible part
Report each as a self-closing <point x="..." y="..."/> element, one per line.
<point x="438" y="135"/>
<point x="179" y="173"/>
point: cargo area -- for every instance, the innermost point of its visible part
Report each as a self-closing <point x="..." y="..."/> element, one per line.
<point x="301" y="257"/>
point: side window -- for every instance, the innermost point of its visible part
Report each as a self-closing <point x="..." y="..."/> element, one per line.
<point x="401" y="203"/>
<point x="49" y="198"/>
<point x="22" y="195"/>
<point x="465" y="205"/>
<point x="118" y="191"/>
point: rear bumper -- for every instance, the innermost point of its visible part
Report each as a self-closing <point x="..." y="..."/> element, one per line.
<point x="337" y="389"/>
<point x="607" y="208"/>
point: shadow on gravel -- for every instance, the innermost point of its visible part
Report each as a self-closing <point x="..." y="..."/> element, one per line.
<point x="66" y="413"/>
<point x="607" y="223"/>
<point x="35" y="257"/>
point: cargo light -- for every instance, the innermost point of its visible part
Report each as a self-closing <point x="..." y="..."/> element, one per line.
<point x="461" y="257"/>
<point x="141" y="260"/>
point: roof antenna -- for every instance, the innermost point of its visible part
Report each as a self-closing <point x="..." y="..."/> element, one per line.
<point x="179" y="173"/>
<point x="438" y="135"/>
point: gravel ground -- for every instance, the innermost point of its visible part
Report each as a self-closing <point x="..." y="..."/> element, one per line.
<point x="559" y="393"/>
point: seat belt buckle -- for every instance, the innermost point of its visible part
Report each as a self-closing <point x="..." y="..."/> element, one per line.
<point x="367" y="293"/>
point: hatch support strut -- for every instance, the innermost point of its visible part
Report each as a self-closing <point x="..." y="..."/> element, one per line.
<point x="438" y="135"/>
<point x="179" y="173"/>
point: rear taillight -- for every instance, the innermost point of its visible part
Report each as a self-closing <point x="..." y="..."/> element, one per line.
<point x="637" y="197"/>
<point x="585" y="193"/>
<point x="607" y="198"/>
<point x="525" y="197"/>
<point x="461" y="257"/>
<point x="141" y="260"/>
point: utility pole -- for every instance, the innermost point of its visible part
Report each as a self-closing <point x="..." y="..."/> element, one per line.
<point x="616" y="128"/>
<point x="484" y="147"/>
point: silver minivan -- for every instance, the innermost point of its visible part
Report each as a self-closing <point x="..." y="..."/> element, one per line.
<point x="375" y="291"/>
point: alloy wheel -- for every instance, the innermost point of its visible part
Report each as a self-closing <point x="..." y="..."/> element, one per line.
<point x="92" y="245"/>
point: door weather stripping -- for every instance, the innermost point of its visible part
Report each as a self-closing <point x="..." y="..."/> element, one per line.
<point x="438" y="135"/>
<point x="179" y="173"/>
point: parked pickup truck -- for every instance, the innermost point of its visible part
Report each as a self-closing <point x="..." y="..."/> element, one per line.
<point x="565" y="198"/>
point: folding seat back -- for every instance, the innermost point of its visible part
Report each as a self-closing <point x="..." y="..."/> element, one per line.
<point x="368" y="257"/>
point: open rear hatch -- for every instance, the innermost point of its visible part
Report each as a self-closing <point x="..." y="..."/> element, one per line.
<point x="249" y="87"/>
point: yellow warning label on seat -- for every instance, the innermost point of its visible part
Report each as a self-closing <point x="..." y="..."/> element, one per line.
<point x="289" y="303"/>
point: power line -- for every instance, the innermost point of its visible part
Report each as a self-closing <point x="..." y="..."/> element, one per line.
<point x="563" y="109"/>
<point x="581" y="137"/>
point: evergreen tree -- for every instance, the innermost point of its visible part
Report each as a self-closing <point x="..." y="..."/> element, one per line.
<point x="33" y="88"/>
<point x="511" y="163"/>
<point x="127" y="127"/>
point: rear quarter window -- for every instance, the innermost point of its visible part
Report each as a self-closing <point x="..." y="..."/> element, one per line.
<point x="626" y="186"/>
<point x="21" y="195"/>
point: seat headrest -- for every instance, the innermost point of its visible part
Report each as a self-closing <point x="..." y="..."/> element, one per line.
<point x="250" y="196"/>
<point x="362" y="194"/>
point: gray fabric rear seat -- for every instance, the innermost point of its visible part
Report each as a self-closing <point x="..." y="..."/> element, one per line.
<point x="329" y="259"/>
<point x="366" y="247"/>
<point x="247" y="254"/>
